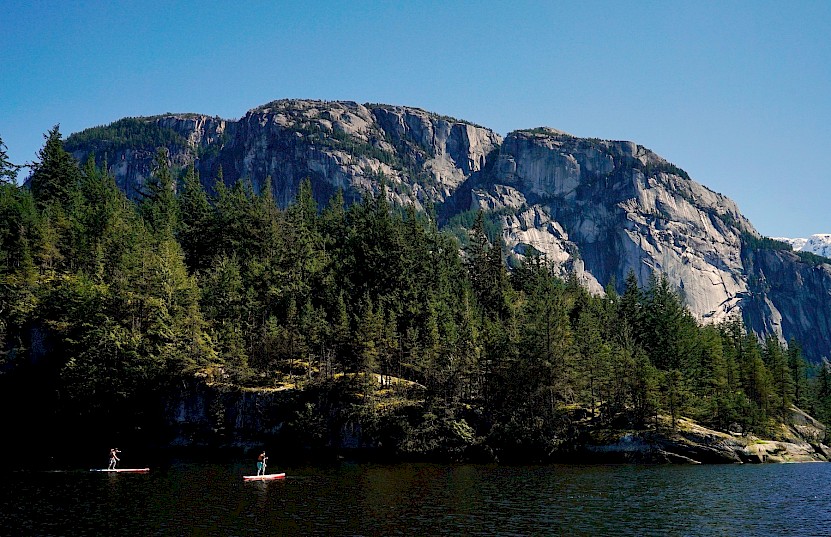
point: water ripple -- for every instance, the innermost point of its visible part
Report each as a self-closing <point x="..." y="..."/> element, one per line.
<point x="425" y="499"/>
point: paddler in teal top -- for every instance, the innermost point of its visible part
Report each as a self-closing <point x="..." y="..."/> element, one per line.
<point x="261" y="463"/>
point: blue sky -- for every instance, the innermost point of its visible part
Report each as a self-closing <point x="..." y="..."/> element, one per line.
<point x="736" y="93"/>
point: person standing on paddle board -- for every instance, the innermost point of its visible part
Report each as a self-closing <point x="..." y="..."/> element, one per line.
<point x="113" y="458"/>
<point x="261" y="463"/>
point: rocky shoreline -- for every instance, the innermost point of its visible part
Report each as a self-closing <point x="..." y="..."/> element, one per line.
<point x="690" y="443"/>
<point x="207" y="416"/>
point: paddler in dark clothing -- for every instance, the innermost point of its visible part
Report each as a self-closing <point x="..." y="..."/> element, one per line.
<point x="261" y="463"/>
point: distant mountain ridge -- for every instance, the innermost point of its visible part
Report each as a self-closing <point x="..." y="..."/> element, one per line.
<point x="819" y="244"/>
<point x="595" y="208"/>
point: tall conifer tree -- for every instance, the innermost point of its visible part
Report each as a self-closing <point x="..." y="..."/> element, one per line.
<point x="55" y="175"/>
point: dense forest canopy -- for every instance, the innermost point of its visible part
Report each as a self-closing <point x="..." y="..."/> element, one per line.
<point x="105" y="301"/>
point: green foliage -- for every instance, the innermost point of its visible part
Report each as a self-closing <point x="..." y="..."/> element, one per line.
<point x="538" y="130"/>
<point x="318" y="134"/>
<point x="143" y="133"/>
<point x="106" y="302"/>
<point x="18" y="219"/>
<point x="196" y="220"/>
<point x="159" y="205"/>
<point x="812" y="258"/>
<point x="459" y="225"/>
<point x="755" y="243"/>
<point x="55" y="176"/>
<point x="663" y="166"/>
<point x="8" y="171"/>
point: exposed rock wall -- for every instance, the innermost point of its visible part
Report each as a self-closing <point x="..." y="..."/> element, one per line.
<point x="204" y="415"/>
<point x="594" y="207"/>
<point x="132" y="166"/>
<point x="690" y="443"/>
<point x="790" y="299"/>
<point x="339" y="145"/>
<point x="209" y="415"/>
<point x="626" y="208"/>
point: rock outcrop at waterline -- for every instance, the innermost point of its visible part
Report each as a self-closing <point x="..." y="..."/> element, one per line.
<point x="690" y="443"/>
<point x="592" y="207"/>
<point x="206" y="415"/>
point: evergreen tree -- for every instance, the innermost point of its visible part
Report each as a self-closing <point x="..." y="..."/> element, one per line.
<point x="8" y="171"/>
<point x="668" y="328"/>
<point x="476" y="251"/>
<point x="645" y="390"/>
<point x="781" y="376"/>
<point x="18" y="229"/>
<point x="340" y="331"/>
<point x="98" y="220"/>
<point x="757" y="383"/>
<point x="822" y="405"/>
<point x="675" y="393"/>
<point x="486" y="270"/>
<point x="305" y="258"/>
<point x="196" y="221"/>
<point x="159" y="206"/>
<point x="595" y="359"/>
<point x="630" y="314"/>
<point x="223" y="298"/>
<point x="368" y="338"/>
<point x="799" y="370"/>
<point x="52" y="226"/>
<point x="55" y="176"/>
<point x="375" y="252"/>
<point x="712" y="379"/>
<point x="547" y="340"/>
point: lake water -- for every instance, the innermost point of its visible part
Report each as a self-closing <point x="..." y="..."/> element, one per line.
<point x="422" y="499"/>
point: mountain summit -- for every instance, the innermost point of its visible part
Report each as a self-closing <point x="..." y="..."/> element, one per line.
<point x="594" y="208"/>
<point x="819" y="244"/>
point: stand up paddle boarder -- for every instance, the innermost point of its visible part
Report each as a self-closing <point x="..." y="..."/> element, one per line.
<point x="113" y="458"/>
<point x="261" y="459"/>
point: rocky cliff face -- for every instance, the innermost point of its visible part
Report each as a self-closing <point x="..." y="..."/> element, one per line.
<point x="691" y="443"/>
<point x="207" y="415"/>
<point x="789" y="298"/>
<point x="339" y="145"/>
<point x="602" y="208"/>
<point x="186" y="137"/>
<point x="620" y="207"/>
<point x="593" y="207"/>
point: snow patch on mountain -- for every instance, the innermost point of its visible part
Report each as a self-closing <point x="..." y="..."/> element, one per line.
<point x="819" y="244"/>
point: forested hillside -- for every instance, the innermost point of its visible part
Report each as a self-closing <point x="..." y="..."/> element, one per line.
<point x="594" y="208"/>
<point x="107" y="303"/>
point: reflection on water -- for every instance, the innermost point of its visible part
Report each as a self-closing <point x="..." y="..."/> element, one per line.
<point x="423" y="499"/>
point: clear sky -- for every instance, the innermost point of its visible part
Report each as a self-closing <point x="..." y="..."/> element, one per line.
<point x="736" y="93"/>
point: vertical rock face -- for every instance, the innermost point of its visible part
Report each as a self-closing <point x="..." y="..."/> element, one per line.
<point x="592" y="207"/>
<point x="617" y="206"/>
<point x="789" y="298"/>
<point x="348" y="145"/>
<point x="339" y="145"/>
<point x="129" y="145"/>
<point x="623" y="207"/>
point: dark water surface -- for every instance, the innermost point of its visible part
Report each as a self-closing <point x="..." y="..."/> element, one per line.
<point x="423" y="499"/>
